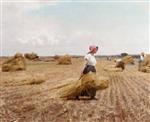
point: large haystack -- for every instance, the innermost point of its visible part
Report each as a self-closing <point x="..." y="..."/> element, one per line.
<point x="128" y="60"/>
<point x="15" y="63"/>
<point x="144" y="66"/>
<point x="64" y="60"/>
<point x="32" y="56"/>
<point x="89" y="83"/>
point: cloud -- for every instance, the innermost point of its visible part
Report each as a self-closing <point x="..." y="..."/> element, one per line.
<point x="40" y="40"/>
<point x="27" y="27"/>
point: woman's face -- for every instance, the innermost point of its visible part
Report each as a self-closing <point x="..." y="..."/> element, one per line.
<point x="95" y="50"/>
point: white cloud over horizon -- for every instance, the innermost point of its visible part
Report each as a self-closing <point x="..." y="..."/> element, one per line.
<point x="61" y="28"/>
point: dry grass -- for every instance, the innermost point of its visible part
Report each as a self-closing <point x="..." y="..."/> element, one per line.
<point x="23" y="79"/>
<point x="112" y="68"/>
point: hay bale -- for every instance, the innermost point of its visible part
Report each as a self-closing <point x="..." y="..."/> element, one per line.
<point x="89" y="81"/>
<point x="32" y="56"/>
<point x="64" y="60"/>
<point x="15" y="63"/>
<point x="120" y="64"/>
<point x="71" y="90"/>
<point x="128" y="60"/>
<point x="145" y="69"/>
<point x="144" y="66"/>
<point x="146" y="61"/>
<point x="101" y="83"/>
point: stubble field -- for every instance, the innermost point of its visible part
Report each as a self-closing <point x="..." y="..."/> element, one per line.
<point x="127" y="99"/>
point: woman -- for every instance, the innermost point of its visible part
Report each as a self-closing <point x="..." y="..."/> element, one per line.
<point x="90" y="62"/>
<point x="142" y="56"/>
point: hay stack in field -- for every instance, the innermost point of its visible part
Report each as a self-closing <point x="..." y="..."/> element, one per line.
<point x="144" y="66"/>
<point x="64" y="60"/>
<point x="15" y="63"/>
<point x="128" y="60"/>
<point x="87" y="83"/>
<point x="32" y="56"/>
<point x="120" y="64"/>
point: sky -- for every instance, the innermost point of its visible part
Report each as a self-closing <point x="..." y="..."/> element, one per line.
<point x="69" y="27"/>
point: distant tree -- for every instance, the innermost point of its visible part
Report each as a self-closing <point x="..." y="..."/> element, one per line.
<point x="124" y="54"/>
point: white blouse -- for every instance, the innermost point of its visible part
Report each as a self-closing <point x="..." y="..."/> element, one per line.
<point x="91" y="60"/>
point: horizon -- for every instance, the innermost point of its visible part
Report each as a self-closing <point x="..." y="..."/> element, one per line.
<point x="73" y="55"/>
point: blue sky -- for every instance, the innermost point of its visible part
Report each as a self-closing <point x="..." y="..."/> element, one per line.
<point x="70" y="27"/>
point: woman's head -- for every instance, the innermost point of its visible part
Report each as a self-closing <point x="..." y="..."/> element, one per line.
<point x="93" y="49"/>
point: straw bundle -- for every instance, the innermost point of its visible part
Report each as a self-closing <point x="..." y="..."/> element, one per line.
<point x="89" y="81"/>
<point x="120" y="64"/>
<point x="128" y="60"/>
<point x="15" y="63"/>
<point x="64" y="60"/>
<point x="144" y="66"/>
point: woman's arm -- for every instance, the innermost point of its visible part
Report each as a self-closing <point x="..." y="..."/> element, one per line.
<point x="84" y="64"/>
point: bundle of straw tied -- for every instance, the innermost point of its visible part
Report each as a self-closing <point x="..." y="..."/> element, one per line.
<point x="87" y="85"/>
<point x="120" y="65"/>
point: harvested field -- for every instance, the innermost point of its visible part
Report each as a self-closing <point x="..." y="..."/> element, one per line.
<point x="127" y="99"/>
